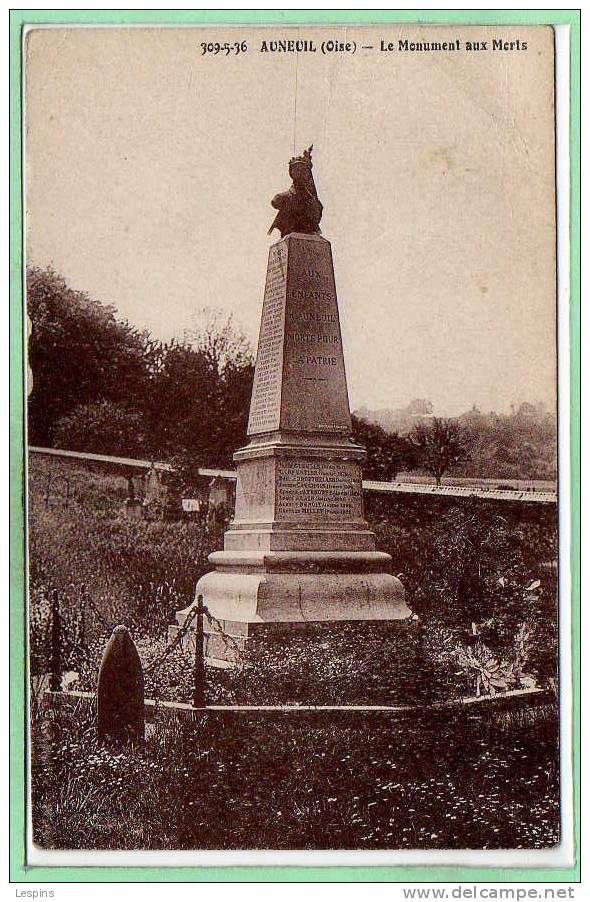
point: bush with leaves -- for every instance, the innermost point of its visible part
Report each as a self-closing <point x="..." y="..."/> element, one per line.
<point x="100" y="427"/>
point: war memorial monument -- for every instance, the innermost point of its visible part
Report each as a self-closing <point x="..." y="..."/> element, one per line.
<point x="299" y="551"/>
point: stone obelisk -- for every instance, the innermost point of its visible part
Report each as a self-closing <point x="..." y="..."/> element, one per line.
<point x="299" y="550"/>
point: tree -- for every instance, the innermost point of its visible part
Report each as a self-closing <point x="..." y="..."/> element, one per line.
<point x="101" y="427"/>
<point x="199" y="395"/>
<point x="99" y="384"/>
<point x="519" y="445"/>
<point x="387" y="452"/>
<point x="79" y="353"/>
<point x="439" y="445"/>
<point x="216" y="335"/>
<point x="421" y="407"/>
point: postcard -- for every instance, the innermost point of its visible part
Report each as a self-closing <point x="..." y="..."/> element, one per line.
<point x="297" y="494"/>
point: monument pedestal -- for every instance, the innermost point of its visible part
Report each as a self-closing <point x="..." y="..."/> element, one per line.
<point x="299" y="551"/>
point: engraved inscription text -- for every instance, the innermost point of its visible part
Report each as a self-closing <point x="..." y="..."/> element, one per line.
<point x="266" y="397"/>
<point x="322" y="489"/>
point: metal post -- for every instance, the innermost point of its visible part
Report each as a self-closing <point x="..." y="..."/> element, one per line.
<point x="199" y="672"/>
<point x="81" y="616"/>
<point x="55" y="653"/>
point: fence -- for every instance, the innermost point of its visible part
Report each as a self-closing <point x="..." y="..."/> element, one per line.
<point x="521" y="490"/>
<point x="67" y="648"/>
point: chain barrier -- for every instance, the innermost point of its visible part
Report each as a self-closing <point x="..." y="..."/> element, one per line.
<point x="67" y="640"/>
<point x="228" y="640"/>
<point x="99" y="615"/>
<point x="182" y="631"/>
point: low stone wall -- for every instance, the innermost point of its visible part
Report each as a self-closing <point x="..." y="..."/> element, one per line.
<point x="515" y="702"/>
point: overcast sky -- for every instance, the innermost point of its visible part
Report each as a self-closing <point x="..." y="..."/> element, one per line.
<point x="150" y="168"/>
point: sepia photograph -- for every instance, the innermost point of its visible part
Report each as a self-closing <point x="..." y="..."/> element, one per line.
<point x="294" y="527"/>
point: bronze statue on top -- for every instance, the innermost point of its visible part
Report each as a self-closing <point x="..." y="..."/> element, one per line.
<point x="299" y="208"/>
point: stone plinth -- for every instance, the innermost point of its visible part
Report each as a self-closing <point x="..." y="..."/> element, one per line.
<point x="299" y="550"/>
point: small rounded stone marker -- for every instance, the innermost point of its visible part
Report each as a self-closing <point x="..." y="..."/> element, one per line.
<point x="120" y="690"/>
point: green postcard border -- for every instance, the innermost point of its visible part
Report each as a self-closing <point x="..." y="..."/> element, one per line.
<point x="19" y="871"/>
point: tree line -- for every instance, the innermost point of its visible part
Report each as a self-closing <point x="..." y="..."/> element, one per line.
<point x="102" y="385"/>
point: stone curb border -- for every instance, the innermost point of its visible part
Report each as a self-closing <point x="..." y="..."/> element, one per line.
<point x="514" y="698"/>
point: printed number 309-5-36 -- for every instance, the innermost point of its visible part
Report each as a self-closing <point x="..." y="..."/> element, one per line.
<point x="216" y="47"/>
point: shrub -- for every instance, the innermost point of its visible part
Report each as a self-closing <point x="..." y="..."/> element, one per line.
<point x="107" y="569"/>
<point x="100" y="427"/>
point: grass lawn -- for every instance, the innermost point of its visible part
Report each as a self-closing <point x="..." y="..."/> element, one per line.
<point x="358" y="781"/>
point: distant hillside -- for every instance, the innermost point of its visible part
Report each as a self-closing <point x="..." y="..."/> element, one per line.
<point x="518" y="445"/>
<point x="401" y="419"/>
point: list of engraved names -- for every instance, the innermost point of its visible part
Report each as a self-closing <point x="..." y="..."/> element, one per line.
<point x="265" y="411"/>
<point x="330" y="490"/>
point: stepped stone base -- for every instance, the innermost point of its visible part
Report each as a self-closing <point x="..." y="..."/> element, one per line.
<point x="292" y="591"/>
<point x="299" y="552"/>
